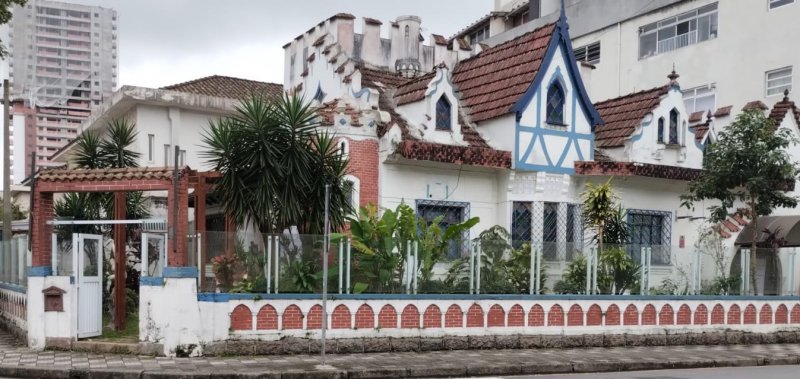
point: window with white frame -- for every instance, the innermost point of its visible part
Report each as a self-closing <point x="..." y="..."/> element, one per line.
<point x="344" y="147"/>
<point x="778" y="81"/>
<point x="588" y="53"/>
<point x="151" y="147"/>
<point x="779" y="3"/>
<point x="352" y="187"/>
<point x="479" y="35"/>
<point x="678" y="31"/>
<point x="703" y="98"/>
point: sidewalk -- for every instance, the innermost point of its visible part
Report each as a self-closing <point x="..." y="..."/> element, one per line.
<point x="17" y="361"/>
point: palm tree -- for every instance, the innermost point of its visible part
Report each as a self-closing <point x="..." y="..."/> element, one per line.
<point x="275" y="165"/>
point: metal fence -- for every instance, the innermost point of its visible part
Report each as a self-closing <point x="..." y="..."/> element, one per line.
<point x="15" y="260"/>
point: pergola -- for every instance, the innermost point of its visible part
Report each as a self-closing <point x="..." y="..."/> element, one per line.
<point x="175" y="181"/>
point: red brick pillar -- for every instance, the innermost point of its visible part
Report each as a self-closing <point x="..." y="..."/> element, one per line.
<point x="41" y="252"/>
<point x="177" y="249"/>
<point x="364" y="165"/>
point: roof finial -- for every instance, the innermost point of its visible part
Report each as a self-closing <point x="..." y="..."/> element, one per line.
<point x="673" y="76"/>
<point x="563" y="14"/>
<point x="708" y="116"/>
<point x="786" y="95"/>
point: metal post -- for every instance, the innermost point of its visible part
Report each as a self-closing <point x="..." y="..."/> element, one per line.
<point x="341" y="266"/>
<point x="416" y="267"/>
<point x="743" y="262"/>
<point x="268" y="253"/>
<point x="348" y="265"/>
<point x="54" y="254"/>
<point x="532" y="274"/>
<point x="792" y="271"/>
<point x="325" y="243"/>
<point x="199" y="259"/>
<point x="472" y="269"/>
<point x="7" y="169"/>
<point x="642" y="260"/>
<point x="538" y="270"/>
<point x="277" y="264"/>
<point x="408" y="267"/>
<point x="478" y="271"/>
<point x="589" y="262"/>
<point x="596" y="259"/>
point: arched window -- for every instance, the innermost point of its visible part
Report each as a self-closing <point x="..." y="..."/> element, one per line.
<point x="344" y="147"/>
<point x="443" y="114"/>
<point x="407" y="31"/>
<point x="673" y="127"/>
<point x="555" y="104"/>
<point x="661" y="130"/>
<point x="352" y="188"/>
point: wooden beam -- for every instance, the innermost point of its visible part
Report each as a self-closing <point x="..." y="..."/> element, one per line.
<point x="200" y="192"/>
<point x="120" y="262"/>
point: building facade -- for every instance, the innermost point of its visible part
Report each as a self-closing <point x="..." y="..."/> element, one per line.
<point x="64" y="61"/>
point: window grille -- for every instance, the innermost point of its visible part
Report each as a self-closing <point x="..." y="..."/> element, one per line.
<point x="555" y="104"/>
<point x="443" y="114"/>
<point x="679" y="31"/>
<point x="452" y="212"/>
<point x="555" y="229"/>
<point x="588" y="53"/>
<point x="653" y="229"/>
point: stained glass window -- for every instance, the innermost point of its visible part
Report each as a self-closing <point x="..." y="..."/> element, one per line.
<point x="555" y="104"/>
<point x="661" y="130"/>
<point x="443" y="114"/>
<point x="673" y="127"/>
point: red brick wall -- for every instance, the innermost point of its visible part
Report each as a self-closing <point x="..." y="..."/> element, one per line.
<point x="364" y="166"/>
<point x="684" y="315"/>
<point x="475" y="316"/>
<point x="766" y="315"/>
<point x="340" y="318"/>
<point x="594" y="316"/>
<point x="314" y="318"/>
<point x="575" y="315"/>
<point x="410" y="317"/>
<point x="241" y="318"/>
<point x="750" y="314"/>
<point x="556" y="316"/>
<point x="649" y="316"/>
<point x="718" y="315"/>
<point x="631" y="315"/>
<point x="612" y="315"/>
<point x="387" y="317"/>
<point x="516" y="316"/>
<point x="365" y="317"/>
<point x="496" y="316"/>
<point x="267" y="318"/>
<point x="42" y="233"/>
<point x="701" y="315"/>
<point x="454" y="317"/>
<point x="795" y="315"/>
<point x="432" y="317"/>
<point x="536" y="316"/>
<point x="734" y="315"/>
<point x="292" y="318"/>
<point x="666" y="316"/>
<point x="782" y="315"/>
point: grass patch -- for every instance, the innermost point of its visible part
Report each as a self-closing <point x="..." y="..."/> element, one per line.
<point x="131" y="330"/>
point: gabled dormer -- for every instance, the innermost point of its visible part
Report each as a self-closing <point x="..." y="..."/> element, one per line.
<point x="430" y="102"/>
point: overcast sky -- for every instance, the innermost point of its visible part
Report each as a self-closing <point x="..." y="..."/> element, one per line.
<point x="163" y="42"/>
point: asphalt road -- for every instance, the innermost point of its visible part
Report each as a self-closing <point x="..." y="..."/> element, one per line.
<point x="762" y="372"/>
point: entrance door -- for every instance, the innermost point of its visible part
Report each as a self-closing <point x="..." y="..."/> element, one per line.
<point x="89" y="271"/>
<point x="154" y="256"/>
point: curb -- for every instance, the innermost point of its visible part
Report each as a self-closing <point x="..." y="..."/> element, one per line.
<point x="418" y="372"/>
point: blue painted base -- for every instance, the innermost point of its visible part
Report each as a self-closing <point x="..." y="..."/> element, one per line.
<point x="180" y="272"/>
<point x="40" y="271"/>
<point x="155" y="281"/>
<point x="13" y="287"/>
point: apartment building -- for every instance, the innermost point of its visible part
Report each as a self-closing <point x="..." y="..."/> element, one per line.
<point x="64" y="61"/>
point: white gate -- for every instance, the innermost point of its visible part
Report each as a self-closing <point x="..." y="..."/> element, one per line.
<point x="88" y="262"/>
<point x="154" y="256"/>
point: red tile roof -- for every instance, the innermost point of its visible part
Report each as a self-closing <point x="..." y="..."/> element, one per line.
<point x="439" y="39"/>
<point x="700" y="130"/>
<point x="492" y="82"/>
<point x="413" y="90"/>
<point x="623" y="114"/>
<point x="228" y="87"/>
<point x="723" y="111"/>
<point x="83" y="175"/>
<point x="783" y="107"/>
<point x="468" y="155"/>
<point x="378" y="78"/>
<point x="593" y="168"/>
<point x="696" y="116"/>
<point x="372" y="21"/>
<point x="756" y="104"/>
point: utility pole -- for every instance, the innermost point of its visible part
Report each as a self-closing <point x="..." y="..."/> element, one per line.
<point x="6" y="169"/>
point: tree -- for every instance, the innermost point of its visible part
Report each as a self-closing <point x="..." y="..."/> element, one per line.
<point x="600" y="209"/>
<point x="275" y="165"/>
<point x="748" y="171"/>
<point x="5" y="17"/>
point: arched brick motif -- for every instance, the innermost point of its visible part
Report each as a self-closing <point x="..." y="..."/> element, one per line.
<point x="314" y="317"/>
<point x="649" y="315"/>
<point x="631" y="315"/>
<point x="267" y="318"/>
<point x="556" y="316"/>
<point x="718" y="315"/>
<point x="666" y="316"/>
<point x="475" y="316"/>
<point x="516" y="316"/>
<point x="594" y="316"/>
<point x="387" y="317"/>
<point x="734" y="315"/>
<point x="365" y="317"/>
<point x="241" y="318"/>
<point x="454" y="317"/>
<point x="496" y="316"/>
<point x="612" y="315"/>
<point x="409" y="319"/>
<point x="575" y="315"/>
<point x="794" y="318"/>
<point x="782" y="315"/>
<point x="432" y="317"/>
<point x="536" y="316"/>
<point x="684" y="315"/>
<point x="340" y="318"/>
<point x="765" y="316"/>
<point x="292" y="318"/>
<point x="700" y="315"/>
<point x="749" y="316"/>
